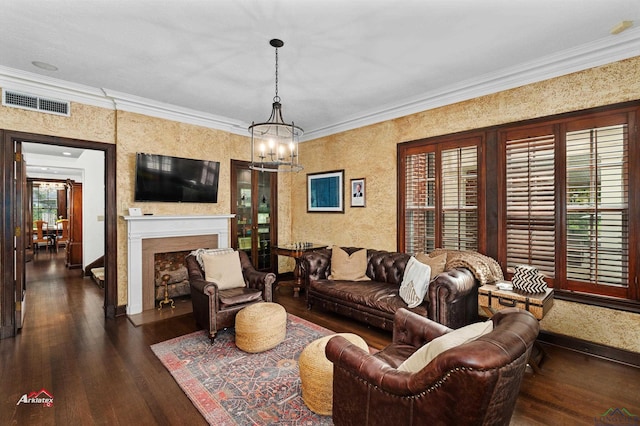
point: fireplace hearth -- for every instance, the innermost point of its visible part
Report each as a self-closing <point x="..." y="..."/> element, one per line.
<point x="148" y="235"/>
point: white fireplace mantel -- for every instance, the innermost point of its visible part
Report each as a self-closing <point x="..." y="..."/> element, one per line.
<point x="143" y="227"/>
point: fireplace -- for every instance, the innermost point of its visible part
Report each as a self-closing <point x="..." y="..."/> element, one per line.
<point x="148" y="235"/>
<point x="171" y="265"/>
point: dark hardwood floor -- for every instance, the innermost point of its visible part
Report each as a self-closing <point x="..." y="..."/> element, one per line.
<point x="103" y="371"/>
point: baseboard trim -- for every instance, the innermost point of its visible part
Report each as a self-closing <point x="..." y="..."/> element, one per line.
<point x="7" y="331"/>
<point x="121" y="310"/>
<point x="110" y="311"/>
<point x="622" y="356"/>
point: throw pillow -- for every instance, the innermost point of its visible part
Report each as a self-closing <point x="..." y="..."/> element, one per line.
<point x="415" y="282"/>
<point x="199" y="252"/>
<point x="223" y="269"/>
<point x="348" y="267"/>
<point x="428" y="352"/>
<point x="437" y="263"/>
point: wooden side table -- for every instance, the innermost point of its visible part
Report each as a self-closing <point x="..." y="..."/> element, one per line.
<point x="491" y="299"/>
<point x="296" y="251"/>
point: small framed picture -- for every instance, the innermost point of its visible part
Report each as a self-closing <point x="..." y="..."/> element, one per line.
<point x="358" y="192"/>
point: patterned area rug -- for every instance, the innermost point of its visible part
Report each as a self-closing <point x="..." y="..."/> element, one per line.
<point x="232" y="387"/>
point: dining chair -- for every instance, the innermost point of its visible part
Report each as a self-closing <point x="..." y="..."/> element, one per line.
<point x="40" y="236"/>
<point x="63" y="238"/>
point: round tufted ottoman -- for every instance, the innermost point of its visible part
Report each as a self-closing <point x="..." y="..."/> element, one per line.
<point x="260" y="327"/>
<point x="316" y="373"/>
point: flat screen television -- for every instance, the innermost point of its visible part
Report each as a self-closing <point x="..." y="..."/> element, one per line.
<point x="174" y="179"/>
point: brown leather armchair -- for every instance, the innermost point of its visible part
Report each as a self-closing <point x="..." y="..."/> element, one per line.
<point x="216" y="309"/>
<point x="476" y="383"/>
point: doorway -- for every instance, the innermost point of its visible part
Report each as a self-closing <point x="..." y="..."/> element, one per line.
<point x="12" y="212"/>
<point x="57" y="176"/>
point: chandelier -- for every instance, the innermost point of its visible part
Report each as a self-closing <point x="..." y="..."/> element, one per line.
<point x="274" y="143"/>
<point x="57" y="186"/>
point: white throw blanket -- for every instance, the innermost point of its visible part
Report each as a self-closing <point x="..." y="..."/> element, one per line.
<point x="415" y="282"/>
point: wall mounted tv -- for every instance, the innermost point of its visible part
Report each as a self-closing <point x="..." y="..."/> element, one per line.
<point x="174" y="179"/>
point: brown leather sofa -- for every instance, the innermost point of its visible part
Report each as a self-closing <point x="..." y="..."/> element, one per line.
<point x="476" y="383"/>
<point x="216" y="309"/>
<point x="452" y="296"/>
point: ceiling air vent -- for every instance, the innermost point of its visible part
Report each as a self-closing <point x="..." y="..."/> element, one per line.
<point x="35" y="103"/>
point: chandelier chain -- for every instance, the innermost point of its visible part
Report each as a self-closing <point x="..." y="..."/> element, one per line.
<point x="276" y="98"/>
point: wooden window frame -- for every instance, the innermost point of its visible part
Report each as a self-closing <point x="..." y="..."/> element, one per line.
<point x="438" y="145"/>
<point x="599" y="121"/>
<point x="626" y="298"/>
<point x="492" y="198"/>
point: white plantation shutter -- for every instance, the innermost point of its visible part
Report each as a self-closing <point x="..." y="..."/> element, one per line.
<point x="420" y="207"/>
<point x="530" y="202"/>
<point x="597" y="205"/>
<point x="459" y="198"/>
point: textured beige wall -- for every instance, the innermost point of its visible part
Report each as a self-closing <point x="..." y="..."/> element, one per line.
<point x="86" y="122"/>
<point x="140" y="133"/>
<point x="285" y="264"/>
<point x="370" y="152"/>
<point x="608" y="327"/>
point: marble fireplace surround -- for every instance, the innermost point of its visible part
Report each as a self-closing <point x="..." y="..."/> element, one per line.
<point x="148" y="235"/>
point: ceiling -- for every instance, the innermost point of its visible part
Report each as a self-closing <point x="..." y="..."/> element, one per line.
<point x="344" y="64"/>
<point x="52" y="161"/>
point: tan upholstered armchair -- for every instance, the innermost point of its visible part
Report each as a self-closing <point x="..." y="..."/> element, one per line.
<point x="215" y="308"/>
<point x="475" y="383"/>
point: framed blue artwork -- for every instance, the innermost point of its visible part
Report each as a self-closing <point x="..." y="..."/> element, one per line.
<point x="325" y="192"/>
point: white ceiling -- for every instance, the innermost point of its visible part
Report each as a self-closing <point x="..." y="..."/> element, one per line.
<point x="345" y="63"/>
<point x="52" y="161"/>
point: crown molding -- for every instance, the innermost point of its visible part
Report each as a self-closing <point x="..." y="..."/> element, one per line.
<point x="131" y="103"/>
<point x="601" y="52"/>
<point x="36" y="84"/>
<point x="611" y="49"/>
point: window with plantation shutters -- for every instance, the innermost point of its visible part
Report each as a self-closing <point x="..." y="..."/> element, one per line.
<point x="419" y="197"/>
<point x="597" y="205"/>
<point x="566" y="202"/>
<point x="559" y="193"/>
<point x="530" y="200"/>
<point x="459" y="198"/>
<point x="439" y="189"/>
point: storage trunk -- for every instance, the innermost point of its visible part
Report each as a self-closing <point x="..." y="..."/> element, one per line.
<point x="492" y="299"/>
